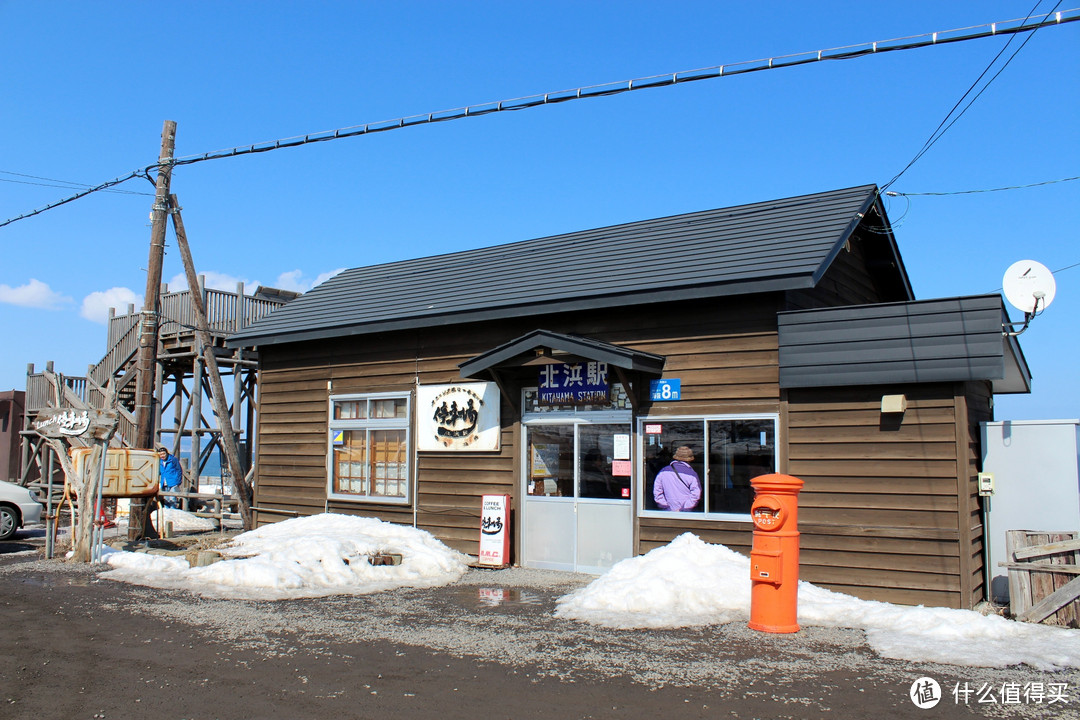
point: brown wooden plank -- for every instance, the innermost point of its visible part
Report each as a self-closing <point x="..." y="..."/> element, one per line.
<point x="881" y="578"/>
<point x="908" y="432"/>
<point x="876" y="451"/>
<point x="878" y="545"/>
<point x="889" y="485"/>
<point x="891" y="518"/>
<point x="1052" y="602"/>
<point x="803" y="416"/>
<point x="876" y="501"/>
<point x="863" y="469"/>
<point x="886" y="562"/>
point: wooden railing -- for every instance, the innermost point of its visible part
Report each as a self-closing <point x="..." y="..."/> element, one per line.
<point x="224" y="314"/>
<point x="123" y="343"/>
<point x="41" y="393"/>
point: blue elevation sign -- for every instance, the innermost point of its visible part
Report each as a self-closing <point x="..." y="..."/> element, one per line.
<point x="665" y="390"/>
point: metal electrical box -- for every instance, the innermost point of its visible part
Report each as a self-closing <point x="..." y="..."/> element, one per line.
<point x="1031" y="461"/>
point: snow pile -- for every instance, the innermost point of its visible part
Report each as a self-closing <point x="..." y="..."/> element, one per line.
<point x="946" y="635"/>
<point x="686" y="582"/>
<point x="304" y="557"/>
<point x="689" y="582"/>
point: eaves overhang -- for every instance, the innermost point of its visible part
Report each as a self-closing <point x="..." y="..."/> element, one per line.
<point x="444" y="318"/>
<point x="551" y="345"/>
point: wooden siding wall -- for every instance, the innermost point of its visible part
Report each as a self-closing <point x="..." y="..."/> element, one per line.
<point x="727" y="360"/>
<point x="724" y="351"/>
<point x="848" y="281"/>
<point x="978" y="401"/>
<point x="295" y="384"/>
<point x="883" y="514"/>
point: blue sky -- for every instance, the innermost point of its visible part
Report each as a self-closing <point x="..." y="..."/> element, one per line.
<point x="87" y="87"/>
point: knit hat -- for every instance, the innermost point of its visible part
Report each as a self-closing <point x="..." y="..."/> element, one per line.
<point x="683" y="453"/>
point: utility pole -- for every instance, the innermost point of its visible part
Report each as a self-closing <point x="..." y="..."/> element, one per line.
<point x="150" y="318"/>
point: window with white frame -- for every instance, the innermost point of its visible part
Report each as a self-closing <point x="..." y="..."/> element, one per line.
<point x="704" y="465"/>
<point x="369" y="447"/>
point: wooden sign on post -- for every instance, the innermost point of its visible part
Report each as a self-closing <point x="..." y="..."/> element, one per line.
<point x="128" y="473"/>
<point x="58" y="423"/>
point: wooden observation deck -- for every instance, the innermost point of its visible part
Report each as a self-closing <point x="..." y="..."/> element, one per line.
<point x="181" y="389"/>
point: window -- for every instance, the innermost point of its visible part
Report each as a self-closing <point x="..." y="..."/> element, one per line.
<point x="704" y="465"/>
<point x="369" y="448"/>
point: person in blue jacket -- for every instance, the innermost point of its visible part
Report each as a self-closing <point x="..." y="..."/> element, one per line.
<point x="171" y="476"/>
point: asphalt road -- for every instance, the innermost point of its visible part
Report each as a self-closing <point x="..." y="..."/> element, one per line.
<point x="74" y="645"/>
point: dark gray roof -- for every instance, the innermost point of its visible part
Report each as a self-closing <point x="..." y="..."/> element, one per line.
<point x="769" y="246"/>
<point x="575" y="345"/>
<point x="947" y="340"/>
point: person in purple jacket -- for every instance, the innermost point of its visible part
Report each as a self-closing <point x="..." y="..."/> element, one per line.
<point x="677" y="487"/>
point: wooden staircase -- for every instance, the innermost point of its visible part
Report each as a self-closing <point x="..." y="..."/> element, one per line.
<point x="178" y="363"/>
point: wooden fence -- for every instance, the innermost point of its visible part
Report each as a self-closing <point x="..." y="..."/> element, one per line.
<point x="1044" y="576"/>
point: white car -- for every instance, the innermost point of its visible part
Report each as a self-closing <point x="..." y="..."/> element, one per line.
<point x="18" y="507"/>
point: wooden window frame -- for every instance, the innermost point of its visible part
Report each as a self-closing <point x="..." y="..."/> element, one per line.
<point x="704" y="420"/>
<point x="368" y="425"/>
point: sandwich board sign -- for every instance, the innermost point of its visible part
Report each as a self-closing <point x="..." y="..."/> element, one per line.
<point x="495" y="531"/>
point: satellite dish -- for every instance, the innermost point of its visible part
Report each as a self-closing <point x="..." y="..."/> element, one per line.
<point x="1029" y="286"/>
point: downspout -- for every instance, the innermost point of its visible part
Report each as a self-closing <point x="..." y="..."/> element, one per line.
<point x="415" y="451"/>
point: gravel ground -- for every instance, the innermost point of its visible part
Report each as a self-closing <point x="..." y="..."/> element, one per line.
<point x="498" y="625"/>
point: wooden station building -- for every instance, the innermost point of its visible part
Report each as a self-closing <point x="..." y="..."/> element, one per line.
<point x="565" y="371"/>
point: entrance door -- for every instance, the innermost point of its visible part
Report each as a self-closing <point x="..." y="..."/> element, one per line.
<point x="578" y="504"/>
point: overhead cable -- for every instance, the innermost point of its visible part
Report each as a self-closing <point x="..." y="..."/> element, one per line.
<point x="942" y="127"/>
<point x="847" y="52"/>
<point x="894" y="193"/>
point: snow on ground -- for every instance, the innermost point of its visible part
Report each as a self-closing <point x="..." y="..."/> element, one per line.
<point x="685" y="583"/>
<point x="305" y="557"/>
<point x="689" y="582"/>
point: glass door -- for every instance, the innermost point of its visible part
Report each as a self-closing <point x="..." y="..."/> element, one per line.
<point x="578" y="505"/>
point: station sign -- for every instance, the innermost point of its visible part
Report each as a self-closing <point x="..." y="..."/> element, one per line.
<point x="584" y="383"/>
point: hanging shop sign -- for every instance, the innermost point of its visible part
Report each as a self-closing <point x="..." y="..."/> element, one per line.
<point x="495" y="530"/>
<point x="583" y="383"/>
<point x="58" y="422"/>
<point x="461" y="417"/>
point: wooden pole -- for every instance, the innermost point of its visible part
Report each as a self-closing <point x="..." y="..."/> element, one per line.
<point x="139" y="521"/>
<point x="217" y="395"/>
<point x="148" y="333"/>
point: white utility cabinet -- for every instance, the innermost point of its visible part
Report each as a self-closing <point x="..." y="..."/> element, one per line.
<point x="1036" y="469"/>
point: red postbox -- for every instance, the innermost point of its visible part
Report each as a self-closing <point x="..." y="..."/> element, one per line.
<point x="774" y="557"/>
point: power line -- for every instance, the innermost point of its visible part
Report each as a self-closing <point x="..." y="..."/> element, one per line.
<point x="894" y="193"/>
<point x="76" y="196"/>
<point x="1053" y="272"/>
<point x="66" y="184"/>
<point x="940" y="130"/>
<point x="847" y="52"/>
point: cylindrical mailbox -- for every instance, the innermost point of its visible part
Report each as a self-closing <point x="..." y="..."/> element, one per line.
<point x="774" y="557"/>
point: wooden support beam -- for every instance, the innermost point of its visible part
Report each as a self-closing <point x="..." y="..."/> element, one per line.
<point x="1052" y="602"/>
<point x="1047" y="549"/>
<point x="631" y="391"/>
<point x="505" y="389"/>
<point x="1032" y="567"/>
<point x="232" y="455"/>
